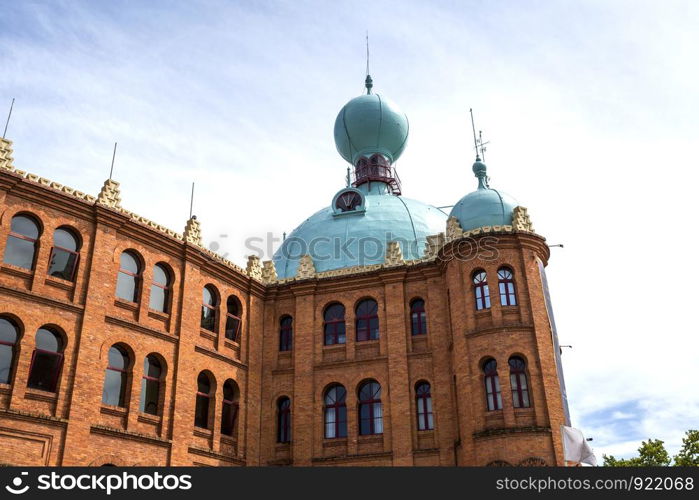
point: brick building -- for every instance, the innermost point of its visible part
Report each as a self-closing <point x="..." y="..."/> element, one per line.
<point x="125" y="343"/>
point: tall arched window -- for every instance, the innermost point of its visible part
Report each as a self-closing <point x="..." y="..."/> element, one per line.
<point x="64" y="254"/>
<point x="209" y="308"/>
<point x="492" y="385"/>
<point x="367" y="320"/>
<point x="9" y="333"/>
<point x="506" y="285"/>
<point x="423" y="400"/>
<point x="229" y="414"/>
<point x="480" y="287"/>
<point x="21" y="242"/>
<point x="284" y="420"/>
<point x="150" y="386"/>
<point x="233" y="313"/>
<point x="335" y="412"/>
<point x="518" y="382"/>
<point x="418" y="317"/>
<point x="160" y="289"/>
<point x="334" y="324"/>
<point x="203" y="403"/>
<point x="370" y="408"/>
<point x="47" y="360"/>
<point x="116" y="377"/>
<point x="286" y="333"/>
<point x="129" y="277"/>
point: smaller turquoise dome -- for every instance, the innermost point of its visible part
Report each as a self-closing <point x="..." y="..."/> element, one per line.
<point x="485" y="206"/>
<point x="370" y="124"/>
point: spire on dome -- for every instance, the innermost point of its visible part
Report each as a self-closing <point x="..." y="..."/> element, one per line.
<point x="368" y="82"/>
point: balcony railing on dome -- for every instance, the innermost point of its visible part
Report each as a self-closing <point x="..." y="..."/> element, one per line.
<point x="368" y="172"/>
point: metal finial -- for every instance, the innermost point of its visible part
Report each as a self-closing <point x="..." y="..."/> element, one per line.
<point x="111" y="169"/>
<point x="475" y="141"/>
<point x="368" y="82"/>
<point x="482" y="144"/>
<point x="348" y="177"/>
<point x="191" y="201"/>
<point x="13" y="104"/>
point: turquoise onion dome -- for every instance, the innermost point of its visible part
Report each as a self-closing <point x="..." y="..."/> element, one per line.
<point x="485" y="206"/>
<point x="370" y="124"/>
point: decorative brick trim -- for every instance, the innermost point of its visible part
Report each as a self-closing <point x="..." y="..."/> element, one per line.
<point x="219" y="356"/>
<point x="140" y="328"/>
<point x="503" y="431"/>
<point x="23" y="294"/>
<point x="203" y="452"/>
<point x="134" y="436"/>
<point x="33" y="417"/>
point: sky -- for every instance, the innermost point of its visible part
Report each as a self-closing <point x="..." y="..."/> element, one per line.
<point x="590" y="108"/>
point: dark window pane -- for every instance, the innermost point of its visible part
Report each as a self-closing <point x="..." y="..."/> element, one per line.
<point x="65" y="240"/>
<point x="158" y="298"/>
<point x="117" y="358"/>
<point x="126" y="287"/>
<point x="232" y="327"/>
<point x="62" y="264"/>
<point x="19" y="252"/>
<point x="208" y="319"/>
<point x="203" y="384"/>
<point x="208" y="297"/>
<point x="151" y="367"/>
<point x="25" y="226"/>
<point x="149" y="396"/>
<point x="44" y="371"/>
<point x="6" y="358"/>
<point x="228" y="417"/>
<point x="114" y="388"/>
<point x="201" y="415"/>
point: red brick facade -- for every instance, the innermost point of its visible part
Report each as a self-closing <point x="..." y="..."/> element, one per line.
<point x="71" y="426"/>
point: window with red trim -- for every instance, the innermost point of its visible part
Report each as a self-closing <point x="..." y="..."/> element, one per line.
<point x="47" y="360"/>
<point x="150" y="386"/>
<point x="229" y="412"/>
<point x="284" y="420"/>
<point x="286" y="333"/>
<point x="334" y="324"/>
<point x="418" y="317"/>
<point x="9" y="334"/>
<point x="203" y="402"/>
<point x="20" y="249"/>
<point x="335" y="412"/>
<point x="233" y="315"/>
<point x="65" y="255"/>
<point x="116" y="377"/>
<point x="370" y="409"/>
<point x="209" y="308"/>
<point x="492" y="385"/>
<point x="367" y="320"/>
<point x="480" y="287"/>
<point x="518" y="382"/>
<point x="129" y="277"/>
<point x="423" y="400"/>
<point x="506" y="286"/>
<point x="160" y="289"/>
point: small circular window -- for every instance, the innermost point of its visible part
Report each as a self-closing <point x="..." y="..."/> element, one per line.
<point x="348" y="201"/>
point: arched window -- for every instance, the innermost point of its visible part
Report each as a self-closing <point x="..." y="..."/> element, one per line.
<point x="129" y="277"/>
<point x="229" y="412"/>
<point x="21" y="242"/>
<point x="201" y="411"/>
<point x="286" y="333"/>
<point x="367" y="320"/>
<point x="492" y="385"/>
<point x="370" y="409"/>
<point x="418" y="317"/>
<point x="209" y="308"/>
<point x="518" y="382"/>
<point x="423" y="400"/>
<point x="150" y="386"/>
<point x="233" y="313"/>
<point x="506" y="284"/>
<point x="480" y="286"/>
<point x="335" y="412"/>
<point x="334" y="324"/>
<point x="64" y="255"/>
<point x="160" y="289"/>
<point x="9" y="333"/>
<point x="116" y="377"/>
<point x="47" y="361"/>
<point x="284" y="420"/>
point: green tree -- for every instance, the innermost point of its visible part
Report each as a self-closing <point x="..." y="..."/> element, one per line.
<point x="689" y="454"/>
<point x="651" y="453"/>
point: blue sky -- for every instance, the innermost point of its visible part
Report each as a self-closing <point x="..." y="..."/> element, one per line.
<point x="590" y="107"/>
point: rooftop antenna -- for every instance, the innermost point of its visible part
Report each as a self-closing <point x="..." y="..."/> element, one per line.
<point x="368" y="82"/>
<point x="475" y="141"/>
<point x="111" y="170"/>
<point x="13" y="103"/>
<point x="482" y="144"/>
<point x="191" y="201"/>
